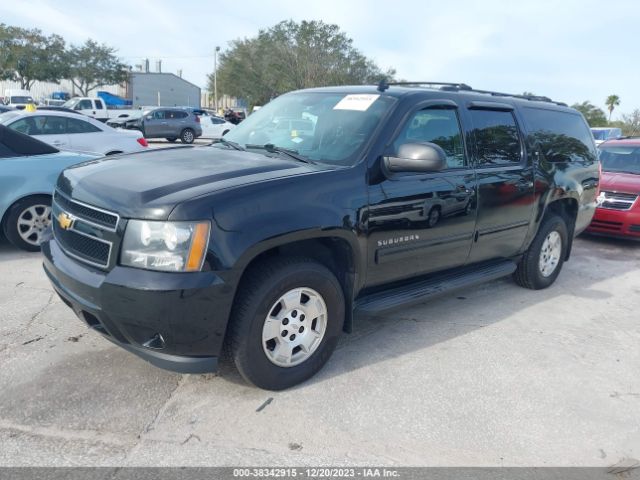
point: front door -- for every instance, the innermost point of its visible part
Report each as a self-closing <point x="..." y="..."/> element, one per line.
<point x="505" y="181"/>
<point x="157" y="125"/>
<point x="419" y="223"/>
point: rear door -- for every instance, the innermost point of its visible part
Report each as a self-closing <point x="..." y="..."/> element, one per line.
<point x="85" y="137"/>
<point x="423" y="222"/>
<point x="505" y="181"/>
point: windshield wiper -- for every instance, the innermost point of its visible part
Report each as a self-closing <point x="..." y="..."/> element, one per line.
<point x="229" y="143"/>
<point x="271" y="148"/>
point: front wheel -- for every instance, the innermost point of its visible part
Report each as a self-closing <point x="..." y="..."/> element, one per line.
<point x="26" y="222"/>
<point x="286" y="322"/>
<point x="542" y="262"/>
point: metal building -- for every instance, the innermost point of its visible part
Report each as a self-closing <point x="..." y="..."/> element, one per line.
<point x="162" y="89"/>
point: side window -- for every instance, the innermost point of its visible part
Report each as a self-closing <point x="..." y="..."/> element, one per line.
<point x="99" y="105"/>
<point x="27" y="125"/>
<point x="75" y="125"/>
<point x="496" y="138"/>
<point x="159" y="115"/>
<point x="562" y="136"/>
<point x="217" y="121"/>
<point x="51" y="125"/>
<point x="439" y="126"/>
<point x="180" y="114"/>
<point x="84" y="105"/>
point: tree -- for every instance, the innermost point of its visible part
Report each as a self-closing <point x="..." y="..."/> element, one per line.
<point x="631" y="123"/>
<point x="612" y="102"/>
<point x="92" y="65"/>
<point x="595" y="116"/>
<point x="290" y="56"/>
<point x="27" y="55"/>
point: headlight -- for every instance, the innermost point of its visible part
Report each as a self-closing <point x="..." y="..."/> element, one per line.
<point x="166" y="246"/>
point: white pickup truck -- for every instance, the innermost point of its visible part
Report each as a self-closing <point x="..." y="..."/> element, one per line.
<point x="95" y="107"/>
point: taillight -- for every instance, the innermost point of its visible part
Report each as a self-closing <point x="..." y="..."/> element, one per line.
<point x="143" y="141"/>
<point x="197" y="119"/>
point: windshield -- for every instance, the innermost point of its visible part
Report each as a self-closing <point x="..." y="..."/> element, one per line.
<point x="7" y="116"/>
<point x="71" y="103"/>
<point x="15" y="100"/>
<point x="606" y="133"/>
<point x="620" y="159"/>
<point x="325" y="127"/>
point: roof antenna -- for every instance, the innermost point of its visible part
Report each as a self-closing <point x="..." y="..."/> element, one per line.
<point x="383" y="85"/>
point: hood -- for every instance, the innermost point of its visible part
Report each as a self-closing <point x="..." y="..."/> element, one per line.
<point x="150" y="184"/>
<point x="620" y="182"/>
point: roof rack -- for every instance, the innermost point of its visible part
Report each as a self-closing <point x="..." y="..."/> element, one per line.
<point x="456" y="87"/>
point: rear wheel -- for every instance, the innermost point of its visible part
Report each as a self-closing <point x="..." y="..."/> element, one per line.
<point x="542" y="262"/>
<point x="26" y="222"/>
<point x="187" y="136"/>
<point x="286" y="322"/>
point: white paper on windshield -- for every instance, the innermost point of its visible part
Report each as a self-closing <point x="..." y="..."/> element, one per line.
<point x="356" y="102"/>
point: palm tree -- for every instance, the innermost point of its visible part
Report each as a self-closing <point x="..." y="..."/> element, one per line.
<point x="612" y="102"/>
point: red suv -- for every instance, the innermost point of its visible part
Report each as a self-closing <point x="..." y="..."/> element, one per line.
<point x="618" y="212"/>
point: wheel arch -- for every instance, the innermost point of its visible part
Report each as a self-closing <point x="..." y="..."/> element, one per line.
<point x="335" y="252"/>
<point x="3" y="214"/>
<point x="567" y="208"/>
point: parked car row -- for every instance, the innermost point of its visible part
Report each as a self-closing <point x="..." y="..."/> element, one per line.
<point x="72" y="132"/>
<point x="174" y="123"/>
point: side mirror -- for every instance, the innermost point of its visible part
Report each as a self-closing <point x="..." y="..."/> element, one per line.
<point x="77" y="107"/>
<point x="417" y="157"/>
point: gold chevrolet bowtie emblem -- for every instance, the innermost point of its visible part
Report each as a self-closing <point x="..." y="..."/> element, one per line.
<point x="65" y="220"/>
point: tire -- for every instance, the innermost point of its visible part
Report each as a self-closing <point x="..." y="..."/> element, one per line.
<point x="171" y="139"/>
<point x="433" y="217"/>
<point x="530" y="272"/>
<point x="258" y="304"/>
<point x="25" y="215"/>
<point x="187" y="136"/>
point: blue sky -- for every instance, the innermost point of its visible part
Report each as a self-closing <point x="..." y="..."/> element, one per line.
<point x="569" y="50"/>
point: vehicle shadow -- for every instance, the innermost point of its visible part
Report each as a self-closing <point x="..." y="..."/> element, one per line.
<point x="379" y="338"/>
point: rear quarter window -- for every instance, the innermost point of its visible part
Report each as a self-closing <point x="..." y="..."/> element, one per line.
<point x="561" y="136"/>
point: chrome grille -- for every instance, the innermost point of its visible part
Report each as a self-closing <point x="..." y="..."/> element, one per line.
<point x="88" y="213"/>
<point x="616" y="200"/>
<point x="90" y="236"/>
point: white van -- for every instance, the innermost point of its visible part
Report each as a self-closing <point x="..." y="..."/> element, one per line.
<point x="17" y="98"/>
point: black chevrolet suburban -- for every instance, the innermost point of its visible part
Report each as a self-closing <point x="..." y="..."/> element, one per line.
<point x="324" y="203"/>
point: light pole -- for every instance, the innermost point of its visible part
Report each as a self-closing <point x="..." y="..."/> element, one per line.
<point x="215" y="77"/>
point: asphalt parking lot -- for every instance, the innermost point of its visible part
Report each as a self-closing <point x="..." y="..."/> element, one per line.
<point x="495" y="376"/>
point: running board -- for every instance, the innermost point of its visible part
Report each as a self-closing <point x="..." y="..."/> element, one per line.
<point x="424" y="290"/>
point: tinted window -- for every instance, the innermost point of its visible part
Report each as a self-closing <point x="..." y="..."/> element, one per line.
<point x="159" y="114"/>
<point x="437" y="126"/>
<point x="99" y="104"/>
<point x="562" y="136"/>
<point x="80" y="126"/>
<point x="52" y="125"/>
<point x="496" y="137"/>
<point x="27" y="125"/>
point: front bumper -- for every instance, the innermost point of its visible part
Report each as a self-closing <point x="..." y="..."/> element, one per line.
<point x="616" y="223"/>
<point x="176" y="321"/>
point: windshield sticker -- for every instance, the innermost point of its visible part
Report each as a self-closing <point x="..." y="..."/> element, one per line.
<point x="297" y="140"/>
<point x="356" y="102"/>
